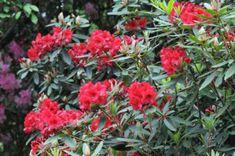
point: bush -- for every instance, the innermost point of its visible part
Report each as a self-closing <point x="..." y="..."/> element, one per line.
<point x="161" y="84"/>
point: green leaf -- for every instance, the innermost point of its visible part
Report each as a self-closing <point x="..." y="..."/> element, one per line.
<point x="34" y="19"/>
<point x="23" y="75"/>
<point x="162" y="6"/>
<point x="66" y="58"/>
<point x="36" y="78"/>
<point x="170" y="6"/>
<point x="27" y="9"/>
<point x="208" y="80"/>
<point x="70" y="141"/>
<point x="98" y="149"/>
<point x="18" y="14"/>
<point x="230" y="72"/>
<point x="169" y="125"/>
<point x="34" y="8"/>
<point x="2" y="15"/>
<point x="102" y="122"/>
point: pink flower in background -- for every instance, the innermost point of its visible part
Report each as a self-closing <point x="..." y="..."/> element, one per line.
<point x="8" y="80"/>
<point x="2" y="113"/>
<point x="24" y="98"/>
<point x="16" y="49"/>
<point x="91" y="11"/>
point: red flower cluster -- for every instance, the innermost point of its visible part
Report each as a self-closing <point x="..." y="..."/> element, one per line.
<point x="98" y="93"/>
<point x="136" y="23"/>
<point x="49" y="118"/>
<point x="172" y="59"/>
<point x="62" y="37"/>
<point x="77" y="51"/>
<point x="103" y="46"/>
<point x="96" y="122"/>
<point x="189" y="13"/>
<point x="230" y="37"/>
<point x="43" y="44"/>
<point x="36" y="145"/>
<point x="141" y="93"/>
<point x="92" y="94"/>
<point x="129" y="40"/>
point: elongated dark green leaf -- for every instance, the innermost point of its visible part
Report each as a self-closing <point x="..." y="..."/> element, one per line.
<point x="208" y="80"/>
<point x="98" y="149"/>
<point x="70" y="141"/>
<point x="36" y="78"/>
<point x="230" y="72"/>
<point x="66" y="58"/>
<point x="169" y="125"/>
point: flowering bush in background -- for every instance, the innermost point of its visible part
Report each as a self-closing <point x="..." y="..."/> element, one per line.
<point x="161" y="83"/>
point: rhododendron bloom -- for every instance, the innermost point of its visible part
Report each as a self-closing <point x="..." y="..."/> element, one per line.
<point x="96" y="122"/>
<point x="129" y="40"/>
<point x="141" y="93"/>
<point x="49" y="118"/>
<point x="135" y="154"/>
<point x="92" y="94"/>
<point x="172" y="59"/>
<point x="36" y="145"/>
<point x="189" y="13"/>
<point x="103" y="46"/>
<point x="49" y="105"/>
<point x="76" y="51"/>
<point x="24" y="98"/>
<point x="229" y="37"/>
<point x="44" y="44"/>
<point x="2" y="113"/>
<point x="136" y="23"/>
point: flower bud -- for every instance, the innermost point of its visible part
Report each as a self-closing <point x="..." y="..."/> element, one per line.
<point x="86" y="150"/>
<point x="61" y="18"/>
<point x="216" y="4"/>
<point x="203" y="35"/>
<point x="42" y="97"/>
<point x="77" y="20"/>
<point x="124" y="2"/>
<point x="216" y="42"/>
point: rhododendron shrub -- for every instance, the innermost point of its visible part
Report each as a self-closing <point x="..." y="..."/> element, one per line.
<point x="161" y="84"/>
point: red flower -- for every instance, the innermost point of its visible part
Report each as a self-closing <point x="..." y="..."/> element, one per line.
<point x="142" y="22"/>
<point x="141" y="93"/>
<point x="76" y="51"/>
<point x="135" y="154"/>
<point x="49" y="118"/>
<point x="96" y="122"/>
<point x="36" y="145"/>
<point x="172" y="59"/>
<point x="92" y="94"/>
<point x="132" y="25"/>
<point x="229" y="37"/>
<point x="103" y="47"/>
<point x="49" y="105"/>
<point x="136" y="23"/>
<point x="67" y="35"/>
<point x="32" y="54"/>
<point x="44" y="44"/>
<point x="189" y="13"/>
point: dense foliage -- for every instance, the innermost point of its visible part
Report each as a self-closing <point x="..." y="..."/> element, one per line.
<point x="160" y="83"/>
